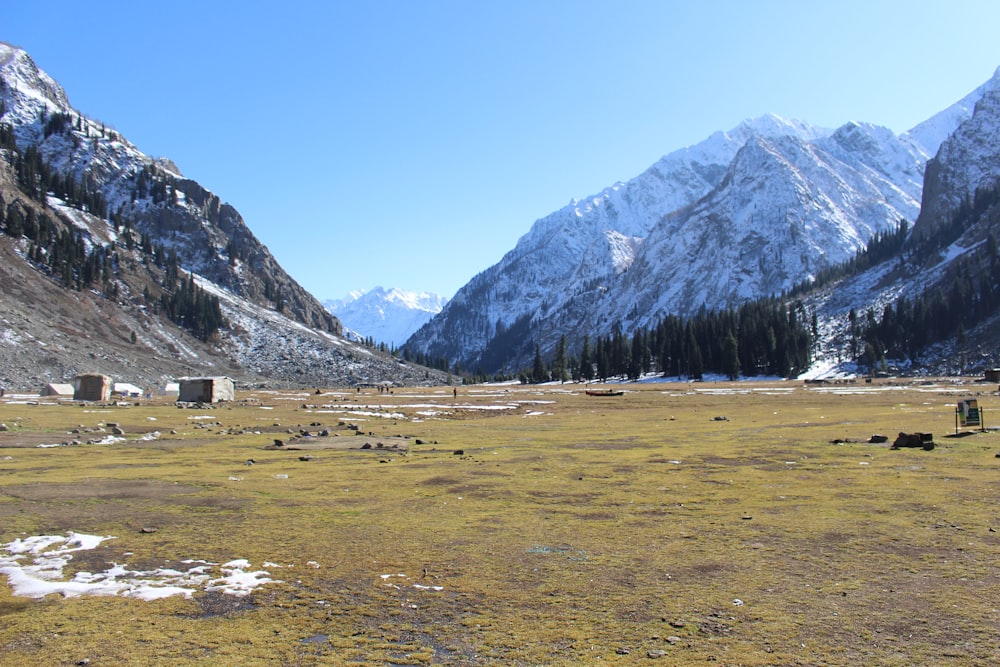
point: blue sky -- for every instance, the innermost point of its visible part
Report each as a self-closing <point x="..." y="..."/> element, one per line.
<point x="410" y="144"/>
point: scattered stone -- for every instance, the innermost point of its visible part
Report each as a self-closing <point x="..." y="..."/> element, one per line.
<point x="923" y="440"/>
<point x="307" y="457"/>
<point x="677" y="624"/>
<point x="117" y="430"/>
<point x="656" y="653"/>
<point x="3" y="427"/>
<point x="876" y="438"/>
<point x="720" y="418"/>
<point x="250" y="462"/>
<point x="673" y="639"/>
<point x="367" y="445"/>
<point x="623" y="650"/>
<point x="459" y="452"/>
<point x="279" y="443"/>
<point x="148" y="529"/>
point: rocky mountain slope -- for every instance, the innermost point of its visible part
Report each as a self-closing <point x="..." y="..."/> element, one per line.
<point x="100" y="248"/>
<point x="388" y="316"/>
<point x="744" y="214"/>
<point x="952" y="244"/>
<point x="208" y="235"/>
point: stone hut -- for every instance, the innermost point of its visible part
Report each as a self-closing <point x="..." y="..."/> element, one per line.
<point x="206" y="390"/>
<point x="92" y="387"/>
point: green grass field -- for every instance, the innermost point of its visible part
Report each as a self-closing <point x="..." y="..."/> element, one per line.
<point x="679" y="524"/>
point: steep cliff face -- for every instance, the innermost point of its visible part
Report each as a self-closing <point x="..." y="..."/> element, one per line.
<point x="209" y="236"/>
<point x="967" y="160"/>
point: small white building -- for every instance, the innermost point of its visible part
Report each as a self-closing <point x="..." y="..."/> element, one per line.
<point x="127" y="390"/>
<point x="58" y="389"/>
<point x="206" y="390"/>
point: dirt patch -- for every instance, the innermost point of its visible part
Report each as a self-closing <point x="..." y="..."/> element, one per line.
<point x="136" y="504"/>
<point x="15" y="440"/>
<point x="99" y="488"/>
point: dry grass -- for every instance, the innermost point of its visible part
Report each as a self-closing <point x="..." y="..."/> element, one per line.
<point x="572" y="529"/>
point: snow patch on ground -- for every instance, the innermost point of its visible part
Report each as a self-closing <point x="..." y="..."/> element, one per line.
<point x="50" y="554"/>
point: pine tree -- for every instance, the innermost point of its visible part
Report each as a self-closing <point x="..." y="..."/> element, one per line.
<point x="586" y="361"/>
<point x="559" y="362"/>
<point x="731" y="357"/>
<point x="538" y="374"/>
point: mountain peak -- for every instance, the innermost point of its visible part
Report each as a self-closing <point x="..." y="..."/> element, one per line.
<point x="20" y="72"/>
<point x="771" y="125"/>
<point x="386" y="315"/>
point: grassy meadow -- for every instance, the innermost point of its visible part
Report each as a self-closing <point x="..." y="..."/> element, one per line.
<point x="678" y="524"/>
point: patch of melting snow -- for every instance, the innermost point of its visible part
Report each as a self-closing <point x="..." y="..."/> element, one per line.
<point x="385" y="415"/>
<point x="400" y="575"/>
<point x="108" y="440"/>
<point x="50" y="554"/>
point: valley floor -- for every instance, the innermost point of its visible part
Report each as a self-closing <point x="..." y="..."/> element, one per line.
<point x="733" y="523"/>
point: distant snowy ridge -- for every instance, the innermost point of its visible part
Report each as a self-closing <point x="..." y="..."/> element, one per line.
<point x="387" y="316"/>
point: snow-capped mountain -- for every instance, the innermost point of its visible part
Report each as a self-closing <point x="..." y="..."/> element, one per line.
<point x="746" y="213"/>
<point x="785" y="210"/>
<point x="579" y="251"/>
<point x="387" y="316"/>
